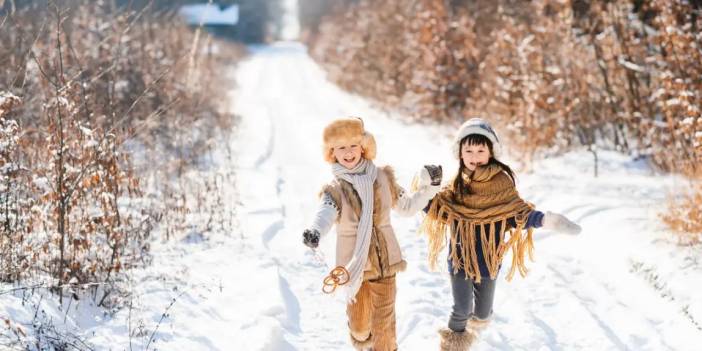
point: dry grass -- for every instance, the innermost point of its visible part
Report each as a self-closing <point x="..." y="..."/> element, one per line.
<point x="102" y="112"/>
<point x="684" y="214"/>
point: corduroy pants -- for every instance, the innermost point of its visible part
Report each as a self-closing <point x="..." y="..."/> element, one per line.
<point x="470" y="300"/>
<point x="372" y="316"/>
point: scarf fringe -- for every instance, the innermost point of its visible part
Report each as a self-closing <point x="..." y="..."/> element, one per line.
<point x="521" y="242"/>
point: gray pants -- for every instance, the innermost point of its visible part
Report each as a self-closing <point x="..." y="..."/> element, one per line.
<point x="464" y="292"/>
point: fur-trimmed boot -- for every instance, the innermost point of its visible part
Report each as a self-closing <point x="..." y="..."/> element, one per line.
<point x="455" y="341"/>
<point x="364" y="345"/>
<point x="477" y="325"/>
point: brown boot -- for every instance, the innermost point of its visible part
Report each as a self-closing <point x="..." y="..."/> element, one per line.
<point x="362" y="345"/>
<point x="455" y="341"/>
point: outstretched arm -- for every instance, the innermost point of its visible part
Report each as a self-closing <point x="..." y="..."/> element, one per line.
<point x="428" y="184"/>
<point x="549" y="220"/>
<point x="324" y="219"/>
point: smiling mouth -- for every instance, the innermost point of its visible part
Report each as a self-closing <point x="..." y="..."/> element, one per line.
<point x="349" y="160"/>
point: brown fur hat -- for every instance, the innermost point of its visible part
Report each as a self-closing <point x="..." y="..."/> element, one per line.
<point x="347" y="131"/>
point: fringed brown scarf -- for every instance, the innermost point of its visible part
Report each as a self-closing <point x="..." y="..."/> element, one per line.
<point x="492" y="198"/>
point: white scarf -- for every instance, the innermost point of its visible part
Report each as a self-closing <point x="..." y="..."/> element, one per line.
<point x="361" y="178"/>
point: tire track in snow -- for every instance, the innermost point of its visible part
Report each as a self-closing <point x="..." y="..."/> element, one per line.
<point x="291" y="319"/>
<point x="270" y="232"/>
<point x="603" y="300"/>
<point x="270" y="145"/>
<point x="585" y="303"/>
<point x="551" y="335"/>
<point x="594" y="211"/>
<point x="292" y="304"/>
<point x="588" y="303"/>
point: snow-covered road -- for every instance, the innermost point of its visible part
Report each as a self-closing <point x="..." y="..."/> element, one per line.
<point x="620" y="285"/>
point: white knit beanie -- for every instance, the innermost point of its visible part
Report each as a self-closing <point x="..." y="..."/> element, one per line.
<point x="476" y="126"/>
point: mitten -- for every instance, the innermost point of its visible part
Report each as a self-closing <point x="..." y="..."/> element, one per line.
<point x="435" y="174"/>
<point x="310" y="238"/>
<point x="558" y="222"/>
<point x="424" y="178"/>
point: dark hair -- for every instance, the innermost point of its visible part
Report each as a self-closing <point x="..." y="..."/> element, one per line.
<point x="459" y="186"/>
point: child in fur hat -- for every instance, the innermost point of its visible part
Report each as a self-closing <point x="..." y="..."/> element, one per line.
<point x="359" y="200"/>
<point x="479" y="208"/>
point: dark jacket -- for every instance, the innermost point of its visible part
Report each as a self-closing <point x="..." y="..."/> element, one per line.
<point x="534" y="220"/>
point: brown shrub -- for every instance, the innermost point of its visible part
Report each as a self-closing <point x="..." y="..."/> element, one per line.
<point x="684" y="215"/>
<point x="115" y="107"/>
<point x="550" y="74"/>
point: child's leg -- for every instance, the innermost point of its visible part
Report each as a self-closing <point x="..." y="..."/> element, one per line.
<point x="360" y="313"/>
<point x="484" y="297"/>
<point x="383" y="294"/>
<point x="462" y="290"/>
<point x="456" y="337"/>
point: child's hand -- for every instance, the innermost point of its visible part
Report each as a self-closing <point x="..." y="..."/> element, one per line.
<point x="435" y="174"/>
<point x="427" y="175"/>
<point x="310" y="238"/>
<point x="558" y="222"/>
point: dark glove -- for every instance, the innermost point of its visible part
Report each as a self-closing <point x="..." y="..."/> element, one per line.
<point x="310" y="238"/>
<point x="435" y="172"/>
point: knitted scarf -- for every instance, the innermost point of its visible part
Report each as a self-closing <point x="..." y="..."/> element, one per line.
<point x="492" y="198"/>
<point x="362" y="178"/>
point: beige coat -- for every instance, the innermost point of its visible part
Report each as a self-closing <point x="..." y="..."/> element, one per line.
<point x="384" y="257"/>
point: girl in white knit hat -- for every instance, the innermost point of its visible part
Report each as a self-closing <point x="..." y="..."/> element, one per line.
<point x="358" y="200"/>
<point x="484" y="216"/>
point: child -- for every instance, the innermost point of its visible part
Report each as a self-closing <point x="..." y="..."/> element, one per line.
<point x="359" y="200"/>
<point x="480" y="207"/>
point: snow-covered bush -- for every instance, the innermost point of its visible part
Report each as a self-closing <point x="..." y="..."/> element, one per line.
<point x="14" y="204"/>
<point x="115" y="107"/>
<point x="678" y="93"/>
<point x="684" y="215"/>
<point x="552" y="75"/>
<point x="405" y="55"/>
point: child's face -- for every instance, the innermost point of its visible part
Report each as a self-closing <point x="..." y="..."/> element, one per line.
<point x="348" y="155"/>
<point x="474" y="155"/>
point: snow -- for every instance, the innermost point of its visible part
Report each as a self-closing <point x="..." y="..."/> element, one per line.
<point x="672" y="102"/>
<point x="42" y="183"/>
<point x="630" y="65"/>
<point x="622" y="284"/>
<point x="210" y="14"/>
<point x="6" y="96"/>
<point x="291" y="22"/>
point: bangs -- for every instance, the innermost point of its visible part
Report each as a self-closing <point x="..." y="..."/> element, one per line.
<point x="477" y="139"/>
